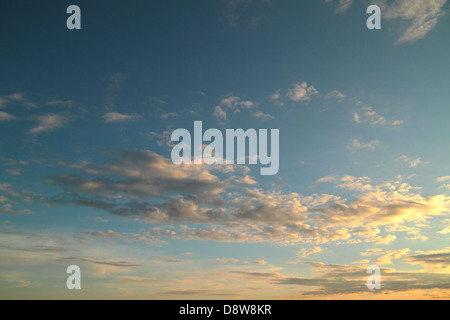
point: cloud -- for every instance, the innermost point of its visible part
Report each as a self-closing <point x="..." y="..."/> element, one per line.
<point x="168" y="115"/>
<point x="127" y="237"/>
<point x="276" y="95"/>
<point x="366" y="232"/>
<point x="238" y="11"/>
<point x="439" y="259"/>
<point x="220" y="114"/>
<point x="234" y="105"/>
<point x="101" y="261"/>
<point x="446" y="230"/>
<point x="332" y="280"/>
<point x="443" y="179"/>
<point x="262" y="116"/>
<point x="301" y="92"/>
<point x="305" y="252"/>
<point x="47" y="123"/>
<point x="24" y="195"/>
<point x="414" y="232"/>
<point x="234" y="102"/>
<point x="4" y="116"/>
<point x="416" y="18"/>
<point x="434" y="261"/>
<point x="257" y="262"/>
<point x="13" y="172"/>
<point x="412" y="163"/>
<point x="227" y="260"/>
<point x="393" y="202"/>
<point x="173" y="260"/>
<point x="8" y="208"/>
<point x="62" y="103"/>
<point x="343" y="5"/>
<point x="245" y="180"/>
<point x="119" y="117"/>
<point x="369" y="115"/>
<point x="335" y="94"/>
<point x="220" y="205"/>
<point x="162" y="139"/>
<point x="191" y="293"/>
<point x="390" y="255"/>
<point x="363" y="261"/>
<point x="19" y="99"/>
<point x="235" y="261"/>
<point x="355" y="145"/>
<point x="423" y="17"/>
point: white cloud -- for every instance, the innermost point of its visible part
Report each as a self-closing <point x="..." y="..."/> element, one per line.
<point x="19" y="98"/>
<point x="416" y="18"/>
<point x="443" y="179"/>
<point x="387" y="239"/>
<point x="422" y="15"/>
<point x="305" y="252"/>
<point x="356" y="145"/>
<point x="119" y="117"/>
<point x="262" y="116"/>
<point x="369" y="115"/>
<point x="168" y="115"/>
<point x="301" y="92"/>
<point x="220" y="114"/>
<point x="276" y="95"/>
<point x="6" y="116"/>
<point x="47" y="123"/>
<point x="335" y="94"/>
<point x="233" y="104"/>
<point x="343" y="5"/>
<point x="13" y="172"/>
<point x="410" y="162"/>
<point x="390" y="255"/>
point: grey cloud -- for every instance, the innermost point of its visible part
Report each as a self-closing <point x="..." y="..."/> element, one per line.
<point x="442" y="259"/>
<point x="113" y="263"/>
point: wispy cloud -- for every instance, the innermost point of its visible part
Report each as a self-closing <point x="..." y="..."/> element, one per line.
<point x="61" y="103"/>
<point x="168" y="115"/>
<point x="369" y="115"/>
<point x="237" y="12"/>
<point x="390" y="255"/>
<point x="4" y="116"/>
<point x="335" y="94"/>
<point x="412" y="163"/>
<point x="306" y="252"/>
<point x="19" y="99"/>
<point x="416" y="18"/>
<point x="443" y="179"/>
<point x="343" y="5"/>
<point x="356" y="145"/>
<point x="48" y="123"/>
<point x="423" y="17"/>
<point x="173" y="260"/>
<point x="119" y="117"/>
<point x="262" y="116"/>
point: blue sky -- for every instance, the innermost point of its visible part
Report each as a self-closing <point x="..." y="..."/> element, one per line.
<point x="86" y="178"/>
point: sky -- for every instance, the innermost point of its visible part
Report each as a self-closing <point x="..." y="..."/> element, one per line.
<point x="86" y="176"/>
